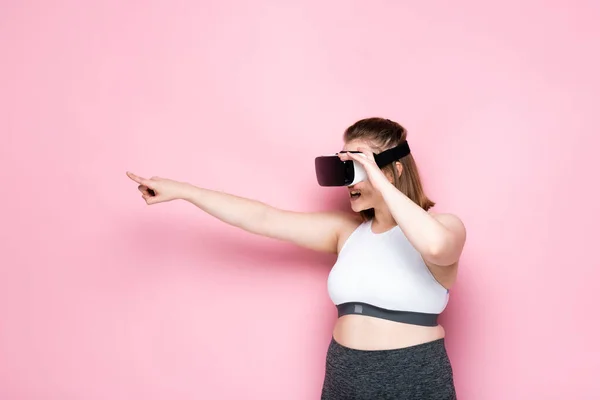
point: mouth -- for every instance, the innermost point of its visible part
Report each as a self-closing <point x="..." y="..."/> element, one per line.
<point x="354" y="194"/>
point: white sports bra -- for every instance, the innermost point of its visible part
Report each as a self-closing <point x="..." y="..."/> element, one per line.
<point x="383" y="275"/>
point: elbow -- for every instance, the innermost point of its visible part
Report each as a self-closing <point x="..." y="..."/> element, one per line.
<point x="437" y="250"/>
<point x="442" y="252"/>
<point x="447" y="246"/>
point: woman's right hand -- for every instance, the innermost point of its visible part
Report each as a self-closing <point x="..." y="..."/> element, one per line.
<point x="158" y="190"/>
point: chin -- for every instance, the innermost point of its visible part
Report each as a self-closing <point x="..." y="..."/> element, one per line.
<point x="358" y="205"/>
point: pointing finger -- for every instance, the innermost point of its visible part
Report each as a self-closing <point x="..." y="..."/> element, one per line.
<point x="134" y="177"/>
<point x="145" y="182"/>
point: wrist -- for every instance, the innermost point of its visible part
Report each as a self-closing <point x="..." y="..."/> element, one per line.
<point x="388" y="190"/>
<point x="383" y="185"/>
<point x="186" y="191"/>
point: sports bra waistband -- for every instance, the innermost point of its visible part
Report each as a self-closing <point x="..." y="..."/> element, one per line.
<point x="409" y="317"/>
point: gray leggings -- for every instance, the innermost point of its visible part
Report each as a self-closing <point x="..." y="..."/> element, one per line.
<point x="419" y="372"/>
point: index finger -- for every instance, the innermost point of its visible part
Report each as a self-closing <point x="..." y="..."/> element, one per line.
<point x="135" y="178"/>
<point x="366" y="152"/>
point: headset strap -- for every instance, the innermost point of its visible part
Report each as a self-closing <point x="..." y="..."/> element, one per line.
<point x="390" y="155"/>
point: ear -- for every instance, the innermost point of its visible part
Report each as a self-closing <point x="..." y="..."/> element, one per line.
<point x="398" y="166"/>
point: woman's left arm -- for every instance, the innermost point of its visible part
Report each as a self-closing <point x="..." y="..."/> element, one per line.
<point x="440" y="239"/>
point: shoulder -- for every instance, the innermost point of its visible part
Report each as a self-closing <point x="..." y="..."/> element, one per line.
<point x="347" y="221"/>
<point x="340" y="221"/>
<point x="346" y="224"/>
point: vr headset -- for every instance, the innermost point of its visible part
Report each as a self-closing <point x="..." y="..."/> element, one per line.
<point x="331" y="171"/>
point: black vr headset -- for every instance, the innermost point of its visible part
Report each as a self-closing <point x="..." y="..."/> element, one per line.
<point x="331" y="171"/>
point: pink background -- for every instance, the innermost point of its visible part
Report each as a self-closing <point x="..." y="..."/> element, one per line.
<point x="102" y="297"/>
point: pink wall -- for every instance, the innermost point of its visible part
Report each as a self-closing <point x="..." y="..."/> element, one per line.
<point x="104" y="298"/>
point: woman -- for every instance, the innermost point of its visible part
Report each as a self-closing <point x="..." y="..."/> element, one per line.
<point x="396" y="261"/>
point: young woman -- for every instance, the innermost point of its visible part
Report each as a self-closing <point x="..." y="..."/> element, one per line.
<point x="396" y="261"/>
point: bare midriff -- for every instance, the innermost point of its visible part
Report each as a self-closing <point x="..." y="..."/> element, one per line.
<point x="369" y="333"/>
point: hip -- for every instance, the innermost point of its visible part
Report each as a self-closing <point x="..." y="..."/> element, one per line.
<point x="421" y="371"/>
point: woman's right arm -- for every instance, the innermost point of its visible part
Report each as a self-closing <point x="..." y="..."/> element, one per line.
<point x="320" y="231"/>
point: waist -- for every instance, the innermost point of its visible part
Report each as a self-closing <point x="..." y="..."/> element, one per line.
<point x="362" y="326"/>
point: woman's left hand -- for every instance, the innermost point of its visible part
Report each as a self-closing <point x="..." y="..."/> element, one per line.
<point x="367" y="160"/>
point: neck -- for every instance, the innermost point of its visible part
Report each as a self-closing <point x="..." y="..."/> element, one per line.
<point x="383" y="219"/>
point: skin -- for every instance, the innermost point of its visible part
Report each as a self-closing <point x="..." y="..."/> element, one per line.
<point x="438" y="237"/>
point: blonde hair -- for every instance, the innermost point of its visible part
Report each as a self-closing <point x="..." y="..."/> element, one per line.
<point x="383" y="134"/>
